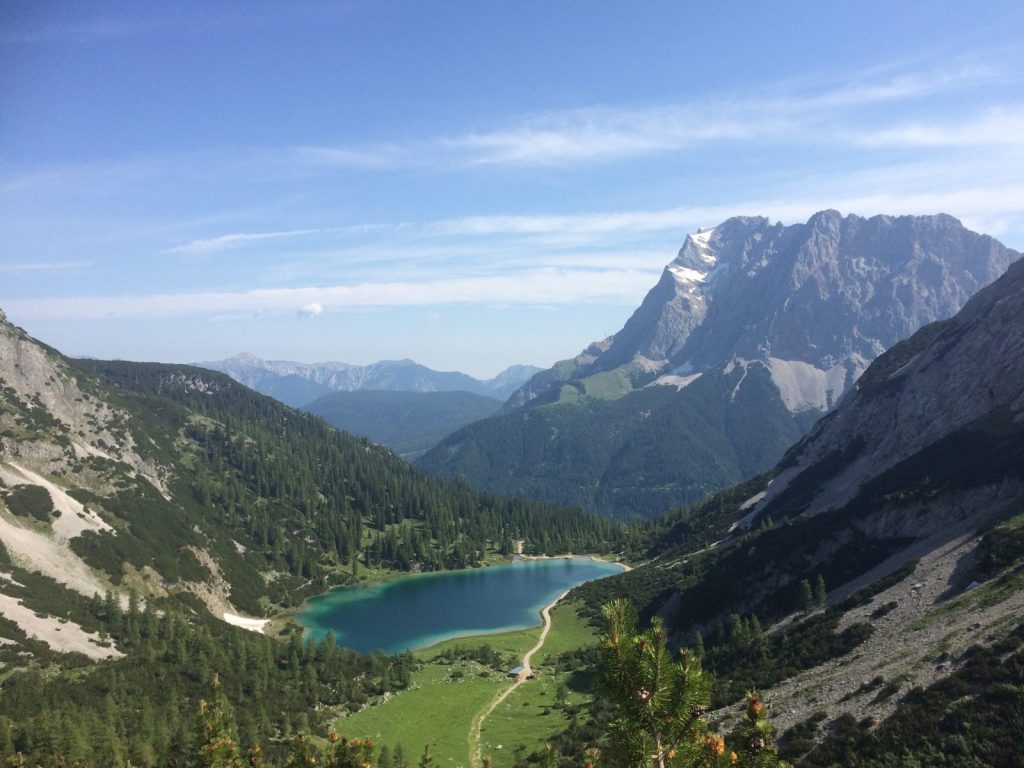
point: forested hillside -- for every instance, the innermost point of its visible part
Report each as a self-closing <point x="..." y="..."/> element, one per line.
<point x="632" y="457"/>
<point x="409" y="423"/>
<point x="142" y="504"/>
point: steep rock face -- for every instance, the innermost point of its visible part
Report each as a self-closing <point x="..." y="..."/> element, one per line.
<point x="906" y="503"/>
<point x="49" y="417"/>
<point x="927" y="451"/>
<point x="954" y="387"/>
<point x="816" y="302"/>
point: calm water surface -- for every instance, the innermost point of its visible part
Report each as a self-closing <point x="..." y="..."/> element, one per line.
<point x="420" y="610"/>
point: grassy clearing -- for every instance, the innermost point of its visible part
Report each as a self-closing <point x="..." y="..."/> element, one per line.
<point x="529" y="717"/>
<point x="514" y="643"/>
<point x="523" y="722"/>
<point x="568" y="632"/>
<point x="439" y="710"/>
<point x="436" y="711"/>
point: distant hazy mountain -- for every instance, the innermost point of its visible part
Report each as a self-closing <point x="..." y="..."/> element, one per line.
<point x="408" y="423"/>
<point x="299" y="383"/>
<point x="753" y="332"/>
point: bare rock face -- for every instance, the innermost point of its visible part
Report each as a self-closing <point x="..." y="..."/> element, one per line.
<point x="814" y="302"/>
<point x="37" y="388"/>
<point x="955" y="388"/>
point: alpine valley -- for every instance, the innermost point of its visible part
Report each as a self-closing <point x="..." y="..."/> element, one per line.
<point x="144" y="508"/>
<point x="754" y="331"/>
<point x="853" y="388"/>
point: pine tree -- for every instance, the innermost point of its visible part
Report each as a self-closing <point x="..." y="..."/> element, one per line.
<point x="302" y="754"/>
<point x="805" y="596"/>
<point x="759" y="645"/>
<point x="660" y="704"/>
<point x="561" y="695"/>
<point x="219" y="746"/>
<point x="755" y="747"/>
<point x="819" y="590"/>
<point x="346" y="753"/>
<point x="698" y="644"/>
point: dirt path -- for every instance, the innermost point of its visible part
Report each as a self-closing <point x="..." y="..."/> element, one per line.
<point x="475" y="759"/>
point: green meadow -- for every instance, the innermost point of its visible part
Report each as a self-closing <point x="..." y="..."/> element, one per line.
<point x="445" y="699"/>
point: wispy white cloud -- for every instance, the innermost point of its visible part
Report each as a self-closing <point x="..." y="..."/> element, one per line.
<point x="819" y="112"/>
<point x="996" y="126"/>
<point x="46" y="266"/>
<point x="530" y="287"/>
<point x="884" y="86"/>
<point x="988" y="196"/>
<point x="527" y="277"/>
<point x="375" y="157"/>
<point x="585" y="223"/>
<point x="239" y="239"/>
<point x="94" y="30"/>
<point x="224" y="242"/>
<point x="569" y="137"/>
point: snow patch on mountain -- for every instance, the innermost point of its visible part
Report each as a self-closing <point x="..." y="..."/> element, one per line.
<point x="685" y="275"/>
<point x="701" y="242"/>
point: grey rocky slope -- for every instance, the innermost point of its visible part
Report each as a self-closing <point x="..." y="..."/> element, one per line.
<point x="916" y="477"/>
<point x="951" y="384"/>
<point x="753" y="332"/>
<point x="297" y="384"/>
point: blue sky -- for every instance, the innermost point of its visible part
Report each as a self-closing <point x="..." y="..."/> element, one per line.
<point x="469" y="184"/>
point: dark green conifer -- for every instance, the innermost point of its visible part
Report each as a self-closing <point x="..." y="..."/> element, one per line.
<point x="819" y="590"/>
<point x="218" y="747"/>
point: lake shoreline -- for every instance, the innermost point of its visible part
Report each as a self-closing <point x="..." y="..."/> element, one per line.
<point x="416" y="614"/>
<point x="391" y="576"/>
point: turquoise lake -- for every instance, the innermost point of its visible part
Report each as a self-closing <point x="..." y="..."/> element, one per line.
<point x="417" y="611"/>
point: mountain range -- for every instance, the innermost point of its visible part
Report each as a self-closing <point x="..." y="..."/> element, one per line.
<point x="906" y="504"/>
<point x="870" y="583"/>
<point x="297" y="384"/>
<point x="753" y="332"/>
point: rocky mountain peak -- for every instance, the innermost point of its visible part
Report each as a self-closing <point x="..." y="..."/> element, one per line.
<point x="815" y="302"/>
